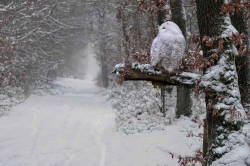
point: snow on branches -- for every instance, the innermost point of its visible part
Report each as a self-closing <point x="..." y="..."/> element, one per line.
<point x="146" y="72"/>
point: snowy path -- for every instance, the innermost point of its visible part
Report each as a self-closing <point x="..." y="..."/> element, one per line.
<point x="60" y="130"/>
<point x="63" y="129"/>
<point x="75" y="127"/>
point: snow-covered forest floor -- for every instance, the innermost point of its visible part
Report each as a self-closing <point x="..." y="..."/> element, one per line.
<point x="73" y="124"/>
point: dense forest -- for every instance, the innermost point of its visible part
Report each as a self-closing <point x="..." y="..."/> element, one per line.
<point x="78" y="54"/>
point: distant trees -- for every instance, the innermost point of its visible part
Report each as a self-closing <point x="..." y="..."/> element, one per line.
<point x="102" y="42"/>
<point x="107" y="37"/>
<point x="35" y="37"/>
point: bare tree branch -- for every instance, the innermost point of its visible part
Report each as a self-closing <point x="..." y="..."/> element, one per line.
<point x="146" y="72"/>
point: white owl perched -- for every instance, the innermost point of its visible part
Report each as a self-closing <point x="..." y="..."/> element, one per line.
<point x="168" y="47"/>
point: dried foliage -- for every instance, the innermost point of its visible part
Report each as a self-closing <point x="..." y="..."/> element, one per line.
<point x="185" y="161"/>
<point x="235" y="6"/>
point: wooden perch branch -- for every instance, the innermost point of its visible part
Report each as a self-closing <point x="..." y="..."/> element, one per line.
<point x="146" y="72"/>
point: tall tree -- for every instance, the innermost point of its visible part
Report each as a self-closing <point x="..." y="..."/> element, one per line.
<point x="184" y="101"/>
<point x="239" y="20"/>
<point x="102" y="43"/>
<point x="225" y="113"/>
<point x="161" y="16"/>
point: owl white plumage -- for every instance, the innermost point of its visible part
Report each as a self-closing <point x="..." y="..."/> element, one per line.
<point x="168" y="47"/>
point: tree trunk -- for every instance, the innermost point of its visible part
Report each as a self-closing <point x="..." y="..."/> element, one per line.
<point x="104" y="73"/>
<point x="161" y="13"/>
<point x="184" y="101"/>
<point x="239" y="21"/>
<point x="161" y="19"/>
<point x="225" y="113"/>
<point x="178" y="14"/>
<point x="102" y="47"/>
<point x="163" y="99"/>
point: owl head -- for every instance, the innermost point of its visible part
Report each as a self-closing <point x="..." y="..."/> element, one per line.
<point x="169" y="27"/>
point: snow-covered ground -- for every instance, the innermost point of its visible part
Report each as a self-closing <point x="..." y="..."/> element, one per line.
<point x="74" y="125"/>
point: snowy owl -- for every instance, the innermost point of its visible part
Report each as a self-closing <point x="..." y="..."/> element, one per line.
<point x="168" y="47"/>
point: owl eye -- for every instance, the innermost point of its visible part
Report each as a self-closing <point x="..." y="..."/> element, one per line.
<point x="163" y="28"/>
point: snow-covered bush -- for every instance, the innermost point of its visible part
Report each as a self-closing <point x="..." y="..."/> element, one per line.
<point x="10" y="96"/>
<point x="236" y="149"/>
<point x="199" y="104"/>
<point x="138" y="107"/>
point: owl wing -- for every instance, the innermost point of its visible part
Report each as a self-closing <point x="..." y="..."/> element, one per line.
<point x="173" y="51"/>
<point x="179" y="46"/>
<point x="159" y="49"/>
